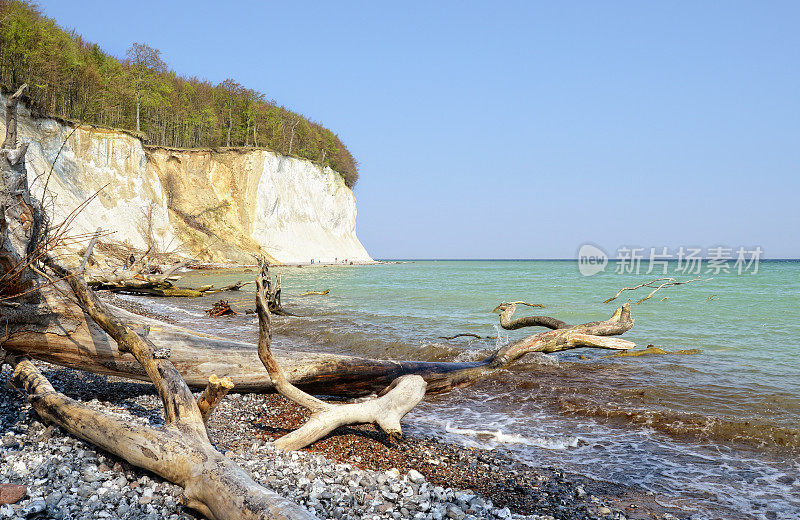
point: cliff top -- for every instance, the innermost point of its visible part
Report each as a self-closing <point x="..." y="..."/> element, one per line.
<point x="72" y="79"/>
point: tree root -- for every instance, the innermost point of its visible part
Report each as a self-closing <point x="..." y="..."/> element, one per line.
<point x="221" y="308"/>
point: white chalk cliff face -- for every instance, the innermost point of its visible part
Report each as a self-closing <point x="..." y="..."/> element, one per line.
<point x="303" y="212"/>
<point x="214" y="206"/>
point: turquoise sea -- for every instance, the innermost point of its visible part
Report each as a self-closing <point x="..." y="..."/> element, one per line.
<point x="716" y="433"/>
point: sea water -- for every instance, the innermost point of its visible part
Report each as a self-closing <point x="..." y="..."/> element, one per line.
<point x="715" y="433"/>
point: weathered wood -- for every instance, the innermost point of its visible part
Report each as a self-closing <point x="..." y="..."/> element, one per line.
<point x="215" y="391"/>
<point x="21" y="217"/>
<point x="68" y="338"/>
<point x="213" y="484"/>
<point x="386" y="411"/>
<point x="508" y="309"/>
<point x="88" y="253"/>
<point x="665" y="282"/>
<point x="160" y="285"/>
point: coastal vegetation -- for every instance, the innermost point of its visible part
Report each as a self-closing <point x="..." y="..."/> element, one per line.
<point x="71" y="78"/>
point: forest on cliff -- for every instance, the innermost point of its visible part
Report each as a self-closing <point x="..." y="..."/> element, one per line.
<point x="74" y="79"/>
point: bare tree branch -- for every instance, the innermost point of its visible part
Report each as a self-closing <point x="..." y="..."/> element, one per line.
<point x="666" y="282"/>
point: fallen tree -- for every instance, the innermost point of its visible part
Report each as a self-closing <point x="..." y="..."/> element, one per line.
<point x="68" y="337"/>
<point x="131" y="281"/>
<point x="50" y="313"/>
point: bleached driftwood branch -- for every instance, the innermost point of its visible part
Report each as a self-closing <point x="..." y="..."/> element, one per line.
<point x="386" y="411"/>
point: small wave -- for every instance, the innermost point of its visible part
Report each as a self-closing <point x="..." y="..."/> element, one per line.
<point x="537" y="358"/>
<point x="159" y="307"/>
<point x="499" y="437"/>
<point x="679" y="424"/>
<point x="501" y="339"/>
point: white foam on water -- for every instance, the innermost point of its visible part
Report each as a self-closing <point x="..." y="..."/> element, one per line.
<point x="159" y="306"/>
<point x="502" y="340"/>
<point x="499" y="437"/>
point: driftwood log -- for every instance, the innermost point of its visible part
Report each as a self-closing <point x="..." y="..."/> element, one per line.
<point x="137" y="282"/>
<point x="508" y="308"/>
<point x="66" y="336"/>
<point x="397" y="400"/>
<point x="180" y="452"/>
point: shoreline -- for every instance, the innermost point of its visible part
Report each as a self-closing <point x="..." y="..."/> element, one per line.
<point x="66" y="476"/>
<point x="243" y="425"/>
<point x="213" y="266"/>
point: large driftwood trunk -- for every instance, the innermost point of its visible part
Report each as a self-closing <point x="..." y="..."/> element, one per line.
<point x="69" y="338"/>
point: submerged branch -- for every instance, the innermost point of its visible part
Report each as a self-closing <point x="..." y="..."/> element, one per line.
<point x="317" y="293"/>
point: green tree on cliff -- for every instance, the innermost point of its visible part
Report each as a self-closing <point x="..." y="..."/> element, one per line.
<point x="75" y="79"/>
<point x="145" y="66"/>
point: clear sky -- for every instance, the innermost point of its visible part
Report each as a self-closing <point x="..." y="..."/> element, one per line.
<point x="518" y="130"/>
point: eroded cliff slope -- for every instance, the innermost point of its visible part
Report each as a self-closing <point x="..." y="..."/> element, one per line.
<point x="218" y="206"/>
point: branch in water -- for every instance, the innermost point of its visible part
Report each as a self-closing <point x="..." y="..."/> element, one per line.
<point x="666" y="282"/>
<point x="467" y="335"/>
<point x="508" y="309"/>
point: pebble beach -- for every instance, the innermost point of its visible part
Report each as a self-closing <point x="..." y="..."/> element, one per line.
<point x="356" y="473"/>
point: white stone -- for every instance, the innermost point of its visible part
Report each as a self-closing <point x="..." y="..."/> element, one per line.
<point x="147" y="496"/>
<point x="415" y="476"/>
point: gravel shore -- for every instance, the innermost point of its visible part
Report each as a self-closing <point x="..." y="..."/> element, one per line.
<point x="358" y="473"/>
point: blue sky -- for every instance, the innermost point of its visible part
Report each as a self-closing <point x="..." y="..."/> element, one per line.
<point x="519" y="130"/>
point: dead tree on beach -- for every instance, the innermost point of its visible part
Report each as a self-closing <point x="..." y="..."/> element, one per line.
<point x="49" y="312"/>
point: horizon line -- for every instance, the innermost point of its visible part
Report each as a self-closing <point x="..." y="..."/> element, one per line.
<point x="643" y="260"/>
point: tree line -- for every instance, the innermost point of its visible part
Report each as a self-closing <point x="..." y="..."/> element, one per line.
<point x="72" y="78"/>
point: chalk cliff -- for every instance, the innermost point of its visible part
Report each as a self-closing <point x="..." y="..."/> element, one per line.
<point x="218" y="206"/>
